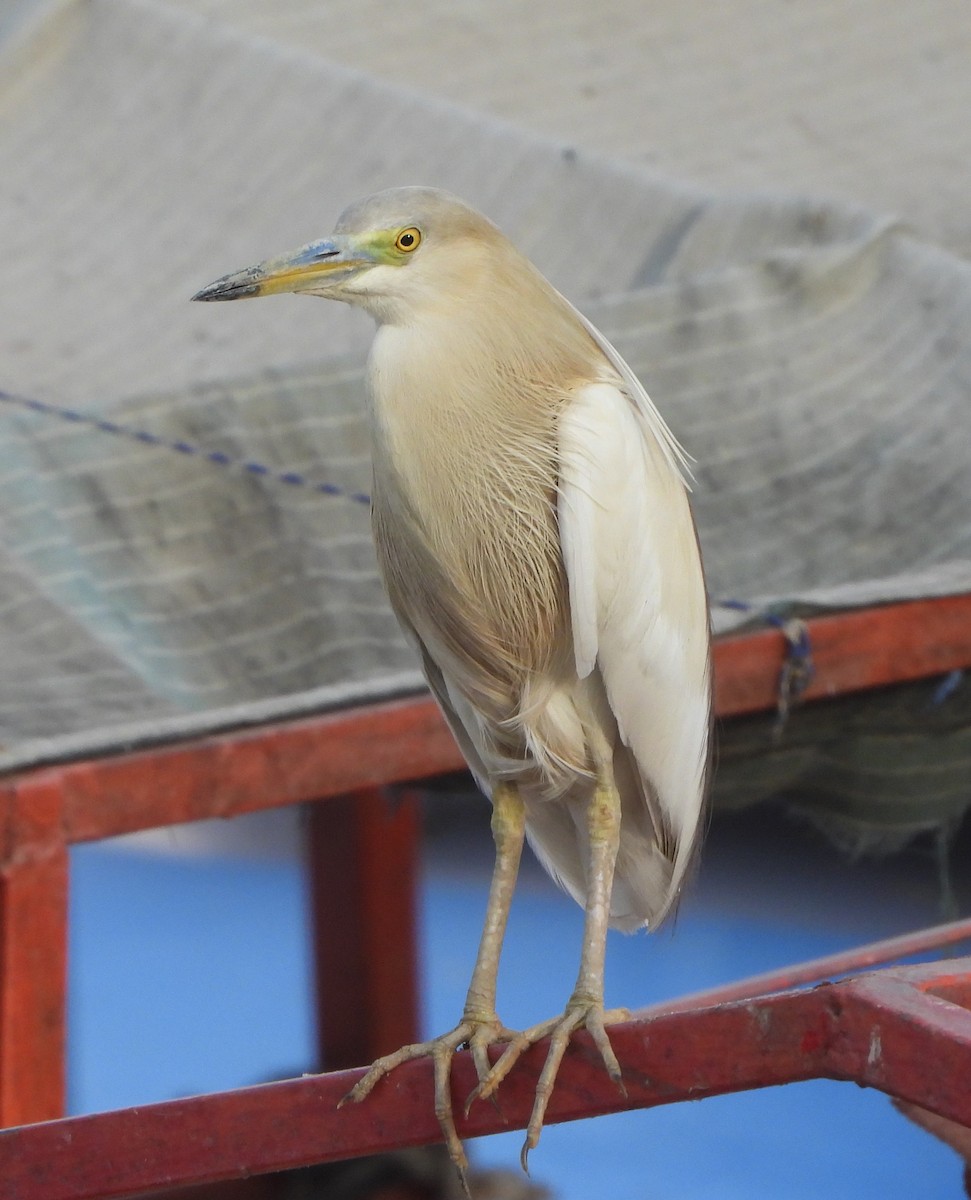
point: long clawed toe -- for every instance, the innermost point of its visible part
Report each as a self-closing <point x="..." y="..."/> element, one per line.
<point x="479" y="1036"/>
<point x="579" y="1014"/>
<point x="480" y="1041"/>
<point x="441" y="1051"/>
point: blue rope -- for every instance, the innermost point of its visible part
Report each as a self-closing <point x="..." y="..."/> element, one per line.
<point x="946" y="687"/>
<point x="797" y="668"/>
<point x="764" y="614"/>
<point x="217" y="458"/>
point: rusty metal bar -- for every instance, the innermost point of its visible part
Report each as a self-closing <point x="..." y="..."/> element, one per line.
<point x="851" y="651"/>
<point x="224" y="775"/>
<point x="330" y="755"/>
<point x="33" y="958"/>
<point x="363" y="854"/>
<point x="900" y="1035"/>
<point x="828" y="967"/>
<point x="888" y="1030"/>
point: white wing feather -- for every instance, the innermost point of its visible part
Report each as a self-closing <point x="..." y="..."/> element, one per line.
<point x="637" y="596"/>
<point x="669" y="445"/>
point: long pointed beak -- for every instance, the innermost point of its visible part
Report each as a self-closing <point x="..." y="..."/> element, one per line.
<point x="320" y="267"/>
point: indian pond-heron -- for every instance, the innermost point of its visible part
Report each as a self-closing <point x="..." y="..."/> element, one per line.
<point x="533" y="531"/>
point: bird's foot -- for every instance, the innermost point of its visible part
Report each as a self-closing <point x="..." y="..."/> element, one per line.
<point x="478" y="1033"/>
<point x="581" y="1012"/>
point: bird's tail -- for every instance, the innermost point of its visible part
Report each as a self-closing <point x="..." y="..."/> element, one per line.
<point x="647" y="882"/>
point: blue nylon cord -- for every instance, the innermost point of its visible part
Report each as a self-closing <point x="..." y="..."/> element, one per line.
<point x="217" y="458"/>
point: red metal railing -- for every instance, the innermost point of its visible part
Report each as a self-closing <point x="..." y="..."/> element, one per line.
<point x="905" y="1031"/>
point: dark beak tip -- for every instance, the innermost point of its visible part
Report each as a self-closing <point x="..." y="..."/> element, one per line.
<point x="224" y="291"/>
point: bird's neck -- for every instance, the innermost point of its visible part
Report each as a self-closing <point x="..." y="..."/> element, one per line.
<point x="451" y="417"/>
<point x="474" y="377"/>
<point x="462" y="440"/>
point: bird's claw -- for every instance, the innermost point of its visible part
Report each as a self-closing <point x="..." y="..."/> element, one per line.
<point x="478" y="1034"/>
<point x="581" y="1014"/>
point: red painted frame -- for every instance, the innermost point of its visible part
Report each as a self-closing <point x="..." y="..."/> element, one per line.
<point x="905" y="1031"/>
<point x="328" y="759"/>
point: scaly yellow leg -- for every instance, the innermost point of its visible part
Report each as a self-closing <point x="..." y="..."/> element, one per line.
<point x="585" y="1006"/>
<point x="480" y="1026"/>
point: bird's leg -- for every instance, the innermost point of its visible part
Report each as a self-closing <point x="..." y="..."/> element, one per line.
<point x="585" y="1007"/>
<point x="508" y="831"/>
<point x="480" y="1026"/>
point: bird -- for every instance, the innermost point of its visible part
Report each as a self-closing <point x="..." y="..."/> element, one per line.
<point x="531" y="517"/>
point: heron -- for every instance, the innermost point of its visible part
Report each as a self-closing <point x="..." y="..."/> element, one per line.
<point x="531" y="518"/>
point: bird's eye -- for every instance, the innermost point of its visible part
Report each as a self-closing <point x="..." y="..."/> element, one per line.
<point x="408" y="240"/>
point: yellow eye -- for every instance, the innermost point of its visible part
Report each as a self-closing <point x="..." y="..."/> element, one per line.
<point x="408" y="240"/>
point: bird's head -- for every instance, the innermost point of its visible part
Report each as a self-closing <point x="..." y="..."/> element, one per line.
<point x="392" y="253"/>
